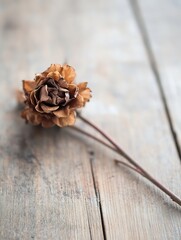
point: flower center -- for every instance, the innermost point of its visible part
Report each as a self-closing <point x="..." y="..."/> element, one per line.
<point x="53" y="94"/>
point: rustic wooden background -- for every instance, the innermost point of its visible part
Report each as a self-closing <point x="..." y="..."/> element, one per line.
<point x="56" y="184"/>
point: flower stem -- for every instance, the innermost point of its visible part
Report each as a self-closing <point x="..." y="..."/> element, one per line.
<point x="93" y="137"/>
<point x="140" y="169"/>
<point x="128" y="166"/>
<point x="106" y="145"/>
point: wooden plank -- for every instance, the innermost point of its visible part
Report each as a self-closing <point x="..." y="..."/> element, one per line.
<point x="127" y="103"/>
<point x="47" y="193"/>
<point x="165" y="36"/>
<point x="47" y="189"/>
<point x="102" y="41"/>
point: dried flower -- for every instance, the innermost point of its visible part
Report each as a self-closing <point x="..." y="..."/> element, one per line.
<point x="53" y="97"/>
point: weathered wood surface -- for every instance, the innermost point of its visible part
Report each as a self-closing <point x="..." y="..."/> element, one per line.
<point x="164" y="33"/>
<point x="56" y="184"/>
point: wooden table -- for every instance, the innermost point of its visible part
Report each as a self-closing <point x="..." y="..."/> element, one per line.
<point x="57" y="184"/>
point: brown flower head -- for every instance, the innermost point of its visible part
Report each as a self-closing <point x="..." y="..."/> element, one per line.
<point x="53" y="97"/>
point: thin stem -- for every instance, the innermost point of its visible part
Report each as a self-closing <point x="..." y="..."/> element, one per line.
<point x="134" y="163"/>
<point x="128" y="166"/>
<point x="93" y="137"/>
<point x="106" y="145"/>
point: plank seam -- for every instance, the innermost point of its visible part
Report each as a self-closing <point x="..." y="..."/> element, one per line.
<point x="89" y="223"/>
<point x="152" y="61"/>
<point x="91" y="159"/>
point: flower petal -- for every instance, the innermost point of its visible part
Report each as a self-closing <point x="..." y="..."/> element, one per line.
<point x="86" y="94"/>
<point x="63" y="122"/>
<point x="39" y="77"/>
<point x="73" y="89"/>
<point x="55" y="75"/>
<point x="84" y="91"/>
<point x="44" y="94"/>
<point x="68" y="73"/>
<point x="62" y="113"/>
<point x="48" y="109"/>
<point x="28" y="85"/>
<point x="82" y="85"/>
<point x="78" y="102"/>
<point x="32" y="98"/>
<point x="62" y="83"/>
<point x="54" y="67"/>
<point x="38" y="107"/>
<point x="31" y="116"/>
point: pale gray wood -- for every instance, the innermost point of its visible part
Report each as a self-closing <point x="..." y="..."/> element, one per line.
<point x="163" y="20"/>
<point x="47" y="187"/>
<point x="129" y="106"/>
<point x="47" y="190"/>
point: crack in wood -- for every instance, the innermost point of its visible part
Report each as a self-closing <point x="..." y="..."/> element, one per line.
<point x="91" y="158"/>
<point x="153" y="64"/>
<point x="89" y="225"/>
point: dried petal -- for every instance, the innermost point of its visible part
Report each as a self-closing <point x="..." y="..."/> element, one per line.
<point x="62" y="83"/>
<point x="82" y="85"/>
<point x="39" y="77"/>
<point x="32" y="99"/>
<point x="53" y="97"/>
<point x="44" y="94"/>
<point x="48" y="109"/>
<point x="31" y="116"/>
<point x="61" y="113"/>
<point x="38" y="108"/>
<point x="53" y="68"/>
<point x="86" y="94"/>
<point x="78" y="102"/>
<point x="67" y="121"/>
<point x="73" y="89"/>
<point x="68" y="73"/>
<point x="28" y="86"/>
<point x="54" y="75"/>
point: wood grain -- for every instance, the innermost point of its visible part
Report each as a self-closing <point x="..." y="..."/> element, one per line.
<point x="165" y="35"/>
<point x="56" y="184"/>
<point x="47" y="189"/>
